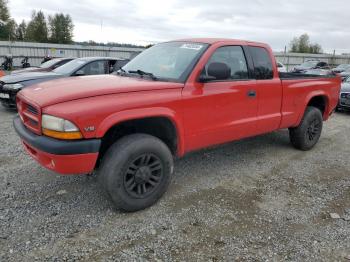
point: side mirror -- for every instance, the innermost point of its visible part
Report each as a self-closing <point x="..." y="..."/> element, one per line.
<point x="80" y="73"/>
<point x="216" y="71"/>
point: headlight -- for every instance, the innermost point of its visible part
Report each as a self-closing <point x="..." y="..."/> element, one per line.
<point x="59" y="128"/>
<point x="13" y="86"/>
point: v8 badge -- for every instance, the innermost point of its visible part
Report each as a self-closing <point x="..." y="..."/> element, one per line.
<point x="89" y="129"/>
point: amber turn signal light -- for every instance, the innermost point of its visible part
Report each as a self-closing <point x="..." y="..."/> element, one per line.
<point x="62" y="135"/>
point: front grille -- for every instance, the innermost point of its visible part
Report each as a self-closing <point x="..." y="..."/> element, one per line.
<point x="33" y="122"/>
<point x="345" y="95"/>
<point x="31" y="109"/>
<point x="30" y="115"/>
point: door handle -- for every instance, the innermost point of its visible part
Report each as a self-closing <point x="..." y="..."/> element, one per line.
<point x="251" y="93"/>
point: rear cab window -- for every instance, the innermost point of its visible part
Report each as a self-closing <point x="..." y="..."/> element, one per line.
<point x="263" y="68"/>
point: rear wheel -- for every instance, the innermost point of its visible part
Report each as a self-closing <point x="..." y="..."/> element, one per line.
<point x="307" y="134"/>
<point x="136" y="171"/>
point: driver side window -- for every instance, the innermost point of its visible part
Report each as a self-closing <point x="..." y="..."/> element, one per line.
<point x="95" y="68"/>
<point x="234" y="58"/>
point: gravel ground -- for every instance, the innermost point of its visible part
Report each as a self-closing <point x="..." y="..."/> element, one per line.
<point x="256" y="199"/>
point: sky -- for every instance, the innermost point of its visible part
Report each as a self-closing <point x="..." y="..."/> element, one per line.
<point x="142" y="22"/>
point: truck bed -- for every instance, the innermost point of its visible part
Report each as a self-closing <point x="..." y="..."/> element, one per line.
<point x="298" y="89"/>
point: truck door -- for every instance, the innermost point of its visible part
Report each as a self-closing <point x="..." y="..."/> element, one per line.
<point x="269" y="90"/>
<point x="218" y="111"/>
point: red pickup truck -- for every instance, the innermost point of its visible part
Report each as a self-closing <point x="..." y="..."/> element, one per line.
<point x="173" y="98"/>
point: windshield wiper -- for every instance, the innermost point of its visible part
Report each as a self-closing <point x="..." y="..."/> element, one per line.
<point x="121" y="71"/>
<point x="143" y="73"/>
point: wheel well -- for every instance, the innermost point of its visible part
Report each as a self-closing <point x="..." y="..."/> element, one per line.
<point x="319" y="102"/>
<point x="160" y="127"/>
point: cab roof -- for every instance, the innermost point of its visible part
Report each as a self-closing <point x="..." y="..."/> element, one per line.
<point x="211" y="41"/>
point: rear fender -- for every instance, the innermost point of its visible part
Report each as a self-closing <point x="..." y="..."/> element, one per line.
<point x="307" y="101"/>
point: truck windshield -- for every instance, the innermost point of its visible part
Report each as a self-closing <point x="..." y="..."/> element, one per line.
<point x="170" y="61"/>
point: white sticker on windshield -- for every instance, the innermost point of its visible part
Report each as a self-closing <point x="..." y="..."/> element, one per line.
<point x="192" y="46"/>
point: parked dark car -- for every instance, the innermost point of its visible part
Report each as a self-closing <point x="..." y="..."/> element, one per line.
<point x="10" y="85"/>
<point x="341" y="68"/>
<point x="45" y="67"/>
<point x="344" y="99"/>
<point x="311" y="64"/>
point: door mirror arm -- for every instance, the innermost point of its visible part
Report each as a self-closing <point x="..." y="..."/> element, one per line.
<point x="206" y="78"/>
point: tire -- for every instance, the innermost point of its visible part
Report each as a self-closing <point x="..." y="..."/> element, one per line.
<point x="136" y="171"/>
<point x="307" y="134"/>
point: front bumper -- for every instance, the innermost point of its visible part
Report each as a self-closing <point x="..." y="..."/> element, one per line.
<point x="9" y="102"/>
<point x="64" y="157"/>
<point x="344" y="102"/>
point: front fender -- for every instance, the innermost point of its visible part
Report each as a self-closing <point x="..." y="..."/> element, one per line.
<point x="139" y="113"/>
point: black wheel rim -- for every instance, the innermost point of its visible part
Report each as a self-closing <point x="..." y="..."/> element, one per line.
<point x="143" y="175"/>
<point x="313" y="130"/>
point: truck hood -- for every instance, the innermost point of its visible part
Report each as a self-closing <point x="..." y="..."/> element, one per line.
<point x="73" y="88"/>
<point x="16" y="78"/>
<point x="28" y="69"/>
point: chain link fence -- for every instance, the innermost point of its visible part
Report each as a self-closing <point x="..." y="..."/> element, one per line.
<point x="37" y="51"/>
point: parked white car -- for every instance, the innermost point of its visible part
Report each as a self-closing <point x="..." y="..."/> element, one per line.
<point x="281" y="68"/>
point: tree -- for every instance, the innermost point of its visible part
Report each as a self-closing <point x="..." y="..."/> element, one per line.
<point x="61" y="29"/>
<point x="4" y="11"/>
<point x="37" y="28"/>
<point x="302" y="44"/>
<point x="11" y="29"/>
<point x="5" y="19"/>
<point x="294" y="45"/>
<point x="315" y="49"/>
<point x="21" y="31"/>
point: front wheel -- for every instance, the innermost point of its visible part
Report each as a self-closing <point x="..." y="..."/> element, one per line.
<point x="307" y="134"/>
<point x="136" y="171"/>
